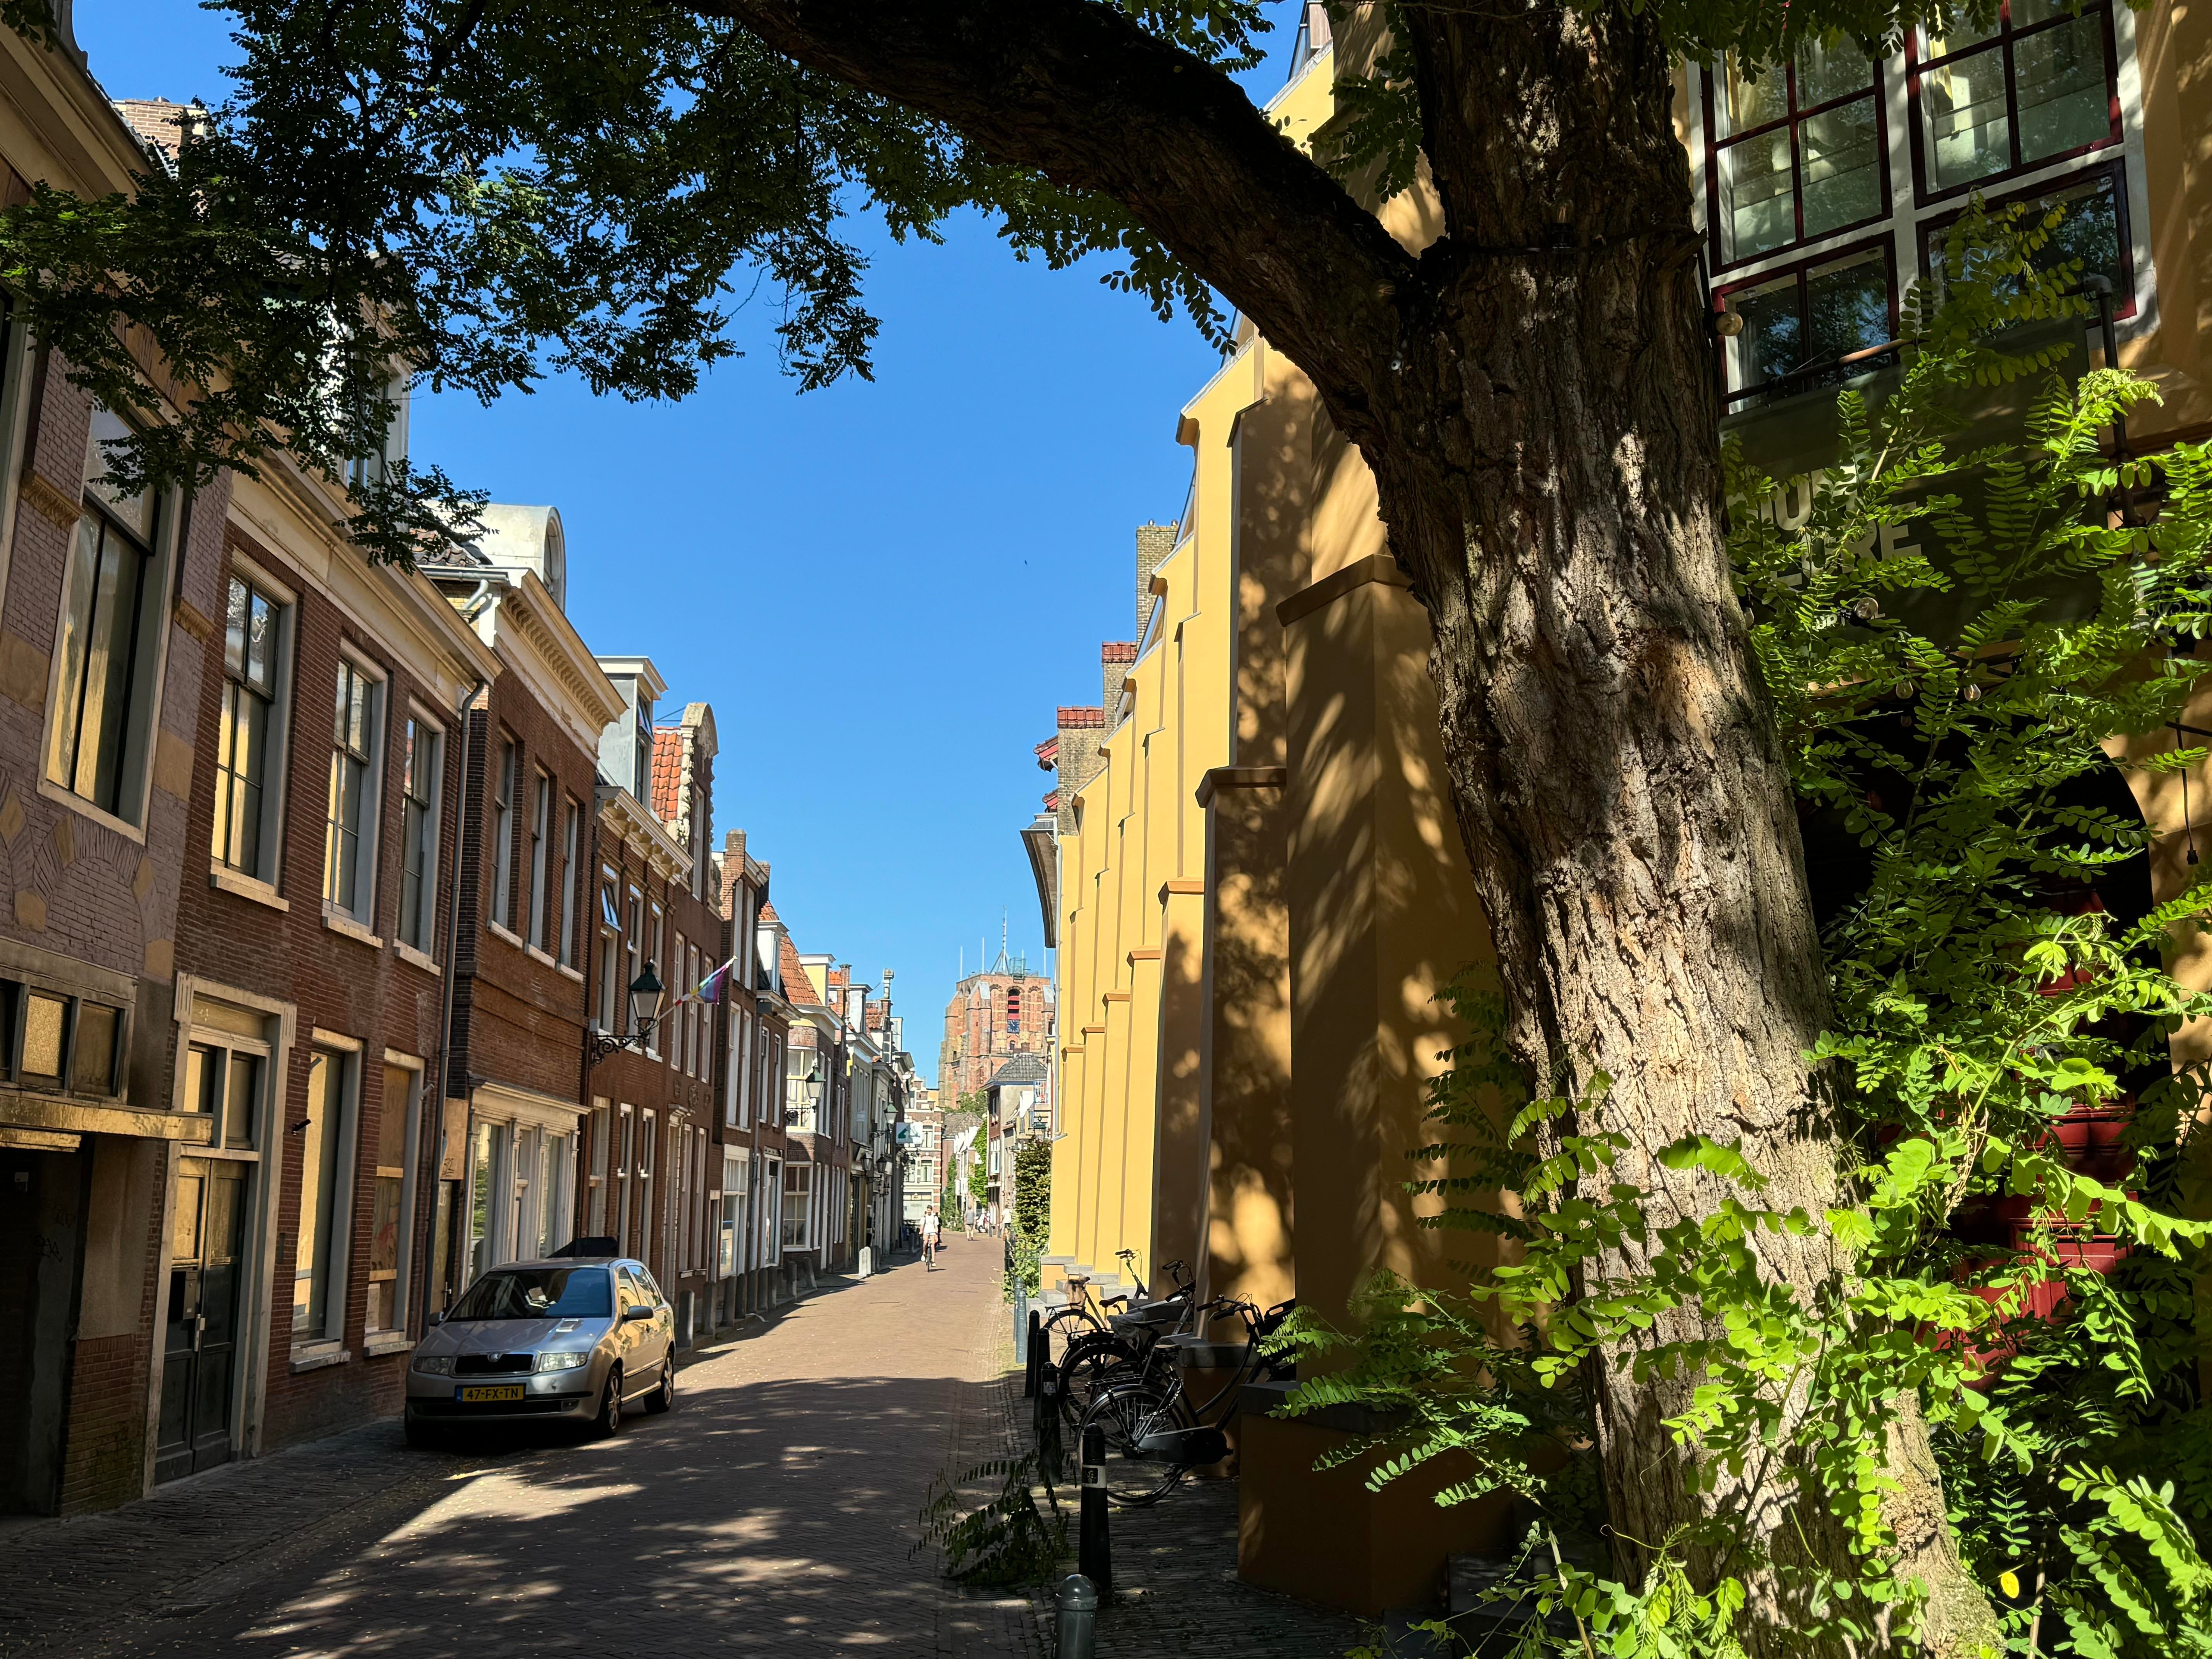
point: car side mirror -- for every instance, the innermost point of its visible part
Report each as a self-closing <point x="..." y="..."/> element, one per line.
<point x="437" y="1319"/>
<point x="637" y="1313"/>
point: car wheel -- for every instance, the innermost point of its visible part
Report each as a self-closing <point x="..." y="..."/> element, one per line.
<point x="663" y="1397"/>
<point x="609" y="1420"/>
<point x="422" y="1434"/>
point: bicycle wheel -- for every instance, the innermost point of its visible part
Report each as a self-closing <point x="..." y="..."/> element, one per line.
<point x="1130" y="1413"/>
<point x="1092" y="1361"/>
<point x="1064" y="1326"/>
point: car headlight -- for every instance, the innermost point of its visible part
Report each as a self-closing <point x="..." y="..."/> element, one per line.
<point x="434" y="1364"/>
<point x="563" y="1362"/>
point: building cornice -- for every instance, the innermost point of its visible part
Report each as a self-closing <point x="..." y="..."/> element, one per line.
<point x="531" y="633"/>
<point x="634" y="825"/>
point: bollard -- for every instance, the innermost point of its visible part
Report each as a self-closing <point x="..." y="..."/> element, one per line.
<point x="1037" y="1353"/>
<point x="1077" y="1605"/>
<point x="1094" y="1551"/>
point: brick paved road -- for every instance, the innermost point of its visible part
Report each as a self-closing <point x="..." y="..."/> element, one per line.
<point x="773" y="1511"/>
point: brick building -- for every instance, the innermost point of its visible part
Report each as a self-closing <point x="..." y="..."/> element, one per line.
<point x="515" y="1064"/>
<point x="312" y="978"/>
<point x="991" y="1017"/>
<point x="752" y="1037"/>
<point x="99" y="719"/>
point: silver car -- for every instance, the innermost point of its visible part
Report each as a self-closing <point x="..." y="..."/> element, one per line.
<point x="575" y="1341"/>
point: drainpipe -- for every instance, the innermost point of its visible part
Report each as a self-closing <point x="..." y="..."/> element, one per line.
<point x="470" y="611"/>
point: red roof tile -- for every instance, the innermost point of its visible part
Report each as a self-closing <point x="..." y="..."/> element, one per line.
<point x="667" y="770"/>
<point x="767" y="911"/>
<point x="1048" y="753"/>
<point x="797" y="987"/>
<point x="1052" y="801"/>
<point x="1118" y="651"/>
<point x="1076" y="719"/>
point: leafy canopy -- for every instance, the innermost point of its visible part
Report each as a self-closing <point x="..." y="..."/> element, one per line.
<point x="481" y="192"/>
<point x="1963" y="639"/>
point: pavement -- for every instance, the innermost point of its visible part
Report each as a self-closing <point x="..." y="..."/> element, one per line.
<point x="774" y="1509"/>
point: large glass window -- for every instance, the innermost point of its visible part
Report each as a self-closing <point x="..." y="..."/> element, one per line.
<point x="318" y="1253"/>
<point x="2092" y="230"/>
<point x="418" y="835"/>
<point x="1797" y="149"/>
<point x="798" y="1191"/>
<point x="2039" y="84"/>
<point x="1810" y="326"/>
<point x="349" y="840"/>
<point x="110" y="624"/>
<point x="242" y="745"/>
<point x="389" y="1205"/>
<point x="226" y="1085"/>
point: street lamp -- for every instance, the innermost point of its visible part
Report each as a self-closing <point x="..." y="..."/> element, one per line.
<point x="646" y="995"/>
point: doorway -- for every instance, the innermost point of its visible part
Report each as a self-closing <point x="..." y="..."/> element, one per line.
<point x="200" y="1366"/>
<point x="41" y="1242"/>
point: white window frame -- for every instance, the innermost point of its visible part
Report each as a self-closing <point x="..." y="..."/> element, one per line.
<point x="344" y="1052"/>
<point x="571" y="856"/>
<point x="411" y="1159"/>
<point x="134" y="780"/>
<point x="508" y="765"/>
<point x="269" y="870"/>
<point x="426" y="924"/>
<point x="363" y="915"/>
<point x="541" y="851"/>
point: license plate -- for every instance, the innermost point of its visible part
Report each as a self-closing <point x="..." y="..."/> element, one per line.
<point x="480" y="1395"/>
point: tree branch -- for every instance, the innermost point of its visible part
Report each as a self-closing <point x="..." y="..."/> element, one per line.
<point x="1076" y="90"/>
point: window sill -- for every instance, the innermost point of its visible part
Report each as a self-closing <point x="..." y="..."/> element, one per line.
<point x="84" y="809"/>
<point x="407" y="953"/>
<point x="226" y="880"/>
<point x="498" y="931"/>
<point x="380" y="1343"/>
<point x="536" y="955"/>
<point x="315" y="1356"/>
<point x="339" y="922"/>
<point x="563" y="967"/>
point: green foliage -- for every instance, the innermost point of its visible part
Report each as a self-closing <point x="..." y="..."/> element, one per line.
<point x="1007" y="1539"/>
<point x="1031" y="1216"/>
<point x="1966" y="649"/>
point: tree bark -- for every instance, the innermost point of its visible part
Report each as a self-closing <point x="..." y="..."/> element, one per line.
<point x="1536" y="397"/>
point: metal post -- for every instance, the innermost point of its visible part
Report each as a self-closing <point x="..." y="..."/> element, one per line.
<point x="1094" y="1551"/>
<point x="1077" y="1603"/>
<point x="1037" y="1353"/>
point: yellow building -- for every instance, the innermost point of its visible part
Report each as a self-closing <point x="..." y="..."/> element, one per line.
<point x="1260" y="889"/>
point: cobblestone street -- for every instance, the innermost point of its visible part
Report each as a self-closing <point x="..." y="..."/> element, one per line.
<point x="775" y="1511"/>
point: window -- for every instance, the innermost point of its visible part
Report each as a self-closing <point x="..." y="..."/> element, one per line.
<point x="392" y="1204"/>
<point x="364" y="471"/>
<point x="636" y="950"/>
<point x="541" y="831"/>
<point x="647" y="1146"/>
<point x="1797" y="150"/>
<point x="502" y="839"/>
<point x="2040" y="85"/>
<point x="244" y="819"/>
<point x="626" y="1154"/>
<point x="571" y="838"/>
<point x="108" y="650"/>
<point x="680" y="1021"/>
<point x="798" y="1192"/>
<point x="612" y="983"/>
<point x="596" y="1221"/>
<point x="772" y="1213"/>
<point x="661" y="969"/>
<point x="224" y="1084"/>
<point x="422" y="763"/>
<point x="350" y="843"/>
<point x="2094" y="230"/>
<point x="1808" y="326"/>
<point x="319" y="1251"/>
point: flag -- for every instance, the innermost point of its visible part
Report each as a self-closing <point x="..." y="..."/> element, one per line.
<point x="710" y="988"/>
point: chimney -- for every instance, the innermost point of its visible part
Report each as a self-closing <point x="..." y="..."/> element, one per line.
<point x="856" y="1007"/>
<point x="1114" y="660"/>
<point x="1154" y="543"/>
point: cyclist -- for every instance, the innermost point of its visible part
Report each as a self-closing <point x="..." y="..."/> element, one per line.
<point x="929" y="1227"/>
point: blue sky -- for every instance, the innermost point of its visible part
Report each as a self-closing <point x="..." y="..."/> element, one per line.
<point x="884" y="588"/>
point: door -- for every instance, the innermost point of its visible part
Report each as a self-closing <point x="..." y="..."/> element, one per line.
<point x="199" y="1362"/>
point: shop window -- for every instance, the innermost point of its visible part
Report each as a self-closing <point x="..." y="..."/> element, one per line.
<point x="798" y="1192"/>
<point x="246" y="818"/>
<point x="102" y="729"/>
<point x="2039" y="84"/>
<point x="320" y="1249"/>
<point x="423" y="768"/>
<point x="1810" y="326"/>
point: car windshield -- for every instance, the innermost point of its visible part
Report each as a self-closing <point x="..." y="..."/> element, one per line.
<point x="538" y="1293"/>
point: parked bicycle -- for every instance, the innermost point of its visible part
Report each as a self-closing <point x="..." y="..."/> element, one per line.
<point x="1154" y="1431"/>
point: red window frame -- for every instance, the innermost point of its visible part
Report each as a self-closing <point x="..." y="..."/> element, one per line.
<point x="1931" y="231"/>
<point x="1794" y="119"/>
<point x="1732" y="399"/>
<point x="2003" y="42"/>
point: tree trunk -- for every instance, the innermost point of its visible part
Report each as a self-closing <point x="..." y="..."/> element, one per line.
<point x="1535" y="395"/>
<point x="1548" y="463"/>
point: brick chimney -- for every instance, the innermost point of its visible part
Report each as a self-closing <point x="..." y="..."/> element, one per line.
<point x="1154" y="543"/>
<point x="1114" y="660"/>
